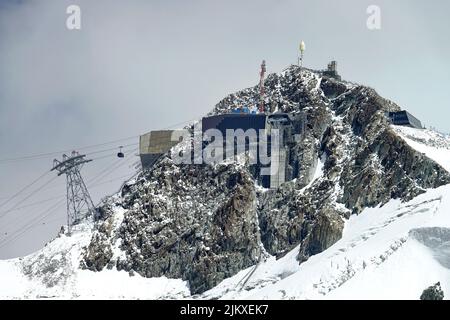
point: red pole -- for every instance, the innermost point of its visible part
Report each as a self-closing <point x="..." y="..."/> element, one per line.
<point x="261" y="86"/>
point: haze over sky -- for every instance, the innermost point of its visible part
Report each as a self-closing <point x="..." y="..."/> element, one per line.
<point x="140" y="65"/>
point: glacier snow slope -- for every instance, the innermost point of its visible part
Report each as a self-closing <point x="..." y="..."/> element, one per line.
<point x="53" y="272"/>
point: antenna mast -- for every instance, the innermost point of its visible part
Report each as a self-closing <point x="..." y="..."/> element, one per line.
<point x="302" y="48"/>
<point x="261" y="86"/>
<point x="79" y="202"/>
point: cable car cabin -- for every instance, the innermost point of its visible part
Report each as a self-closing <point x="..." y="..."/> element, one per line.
<point x="120" y="153"/>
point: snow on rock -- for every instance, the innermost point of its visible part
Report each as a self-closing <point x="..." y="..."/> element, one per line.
<point x="210" y="230"/>
<point x="434" y="144"/>
<point x="54" y="273"/>
<point x="389" y="252"/>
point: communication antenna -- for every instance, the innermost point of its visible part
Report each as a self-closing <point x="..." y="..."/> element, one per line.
<point x="261" y="86"/>
<point x="79" y="202"/>
<point x="302" y="48"/>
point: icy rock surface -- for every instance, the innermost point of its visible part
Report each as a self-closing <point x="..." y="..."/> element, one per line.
<point x="433" y="293"/>
<point x="205" y="223"/>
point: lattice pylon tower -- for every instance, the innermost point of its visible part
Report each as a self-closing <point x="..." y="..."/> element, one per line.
<point x="79" y="202"/>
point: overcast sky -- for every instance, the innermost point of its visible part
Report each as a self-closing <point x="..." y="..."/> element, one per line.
<point x="140" y="65"/>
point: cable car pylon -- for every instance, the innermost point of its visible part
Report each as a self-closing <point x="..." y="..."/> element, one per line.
<point x="79" y="202"/>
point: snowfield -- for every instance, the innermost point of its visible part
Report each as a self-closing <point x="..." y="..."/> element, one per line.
<point x="54" y="273"/>
<point x="389" y="252"/>
<point x="381" y="256"/>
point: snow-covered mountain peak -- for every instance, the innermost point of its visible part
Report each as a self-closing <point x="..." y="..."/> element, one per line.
<point x="365" y="198"/>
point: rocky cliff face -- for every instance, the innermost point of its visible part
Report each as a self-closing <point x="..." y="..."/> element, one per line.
<point x="204" y="223"/>
<point x="198" y="223"/>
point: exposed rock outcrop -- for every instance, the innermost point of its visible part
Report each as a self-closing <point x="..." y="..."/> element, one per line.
<point x="433" y="293"/>
<point x="204" y="223"/>
<point x="190" y="222"/>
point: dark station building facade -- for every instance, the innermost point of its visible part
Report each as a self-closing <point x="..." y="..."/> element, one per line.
<point x="234" y="121"/>
<point x="404" y="118"/>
